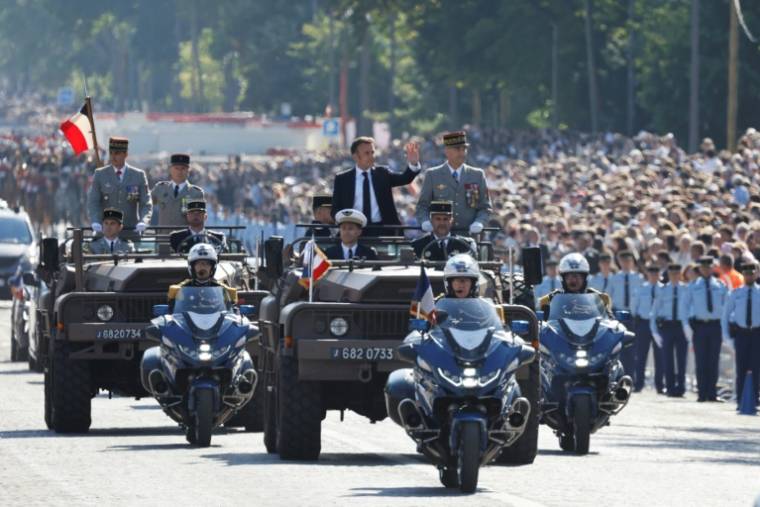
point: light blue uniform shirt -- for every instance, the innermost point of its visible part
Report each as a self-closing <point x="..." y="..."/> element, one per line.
<point x="696" y="299"/>
<point x="641" y="305"/>
<point x="547" y="285"/>
<point x="735" y="309"/>
<point x="600" y="282"/>
<point x="663" y="304"/>
<point x="616" y="289"/>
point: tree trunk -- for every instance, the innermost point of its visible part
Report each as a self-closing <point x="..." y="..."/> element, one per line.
<point x="365" y="126"/>
<point x="631" y="79"/>
<point x="733" y="78"/>
<point x="198" y="94"/>
<point x="694" y="79"/>
<point x="333" y="70"/>
<point x="555" y="75"/>
<point x="453" y="107"/>
<point x="392" y="72"/>
<point x="592" y="90"/>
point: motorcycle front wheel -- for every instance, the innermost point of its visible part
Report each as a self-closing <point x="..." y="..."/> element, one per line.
<point x="204" y="417"/>
<point x="468" y="456"/>
<point x="582" y="423"/>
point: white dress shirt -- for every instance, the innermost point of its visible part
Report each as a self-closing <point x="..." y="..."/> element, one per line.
<point x="458" y="172"/>
<point x="359" y="196"/>
<point x="116" y="170"/>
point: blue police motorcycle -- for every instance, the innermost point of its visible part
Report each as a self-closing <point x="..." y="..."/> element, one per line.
<point x="582" y="379"/>
<point x="461" y="402"/>
<point x="200" y="373"/>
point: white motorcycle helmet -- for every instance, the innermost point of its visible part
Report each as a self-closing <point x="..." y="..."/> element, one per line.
<point x="574" y="263"/>
<point x="202" y="251"/>
<point x="461" y="266"/>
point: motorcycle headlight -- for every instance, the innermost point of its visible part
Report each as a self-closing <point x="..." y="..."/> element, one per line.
<point x="220" y="352"/>
<point x="338" y="326"/>
<point x="454" y="380"/>
<point x="105" y="312"/>
<point x="189" y="351"/>
<point x="488" y="378"/>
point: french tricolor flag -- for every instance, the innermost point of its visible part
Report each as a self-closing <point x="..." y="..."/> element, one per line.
<point x="315" y="264"/>
<point x="423" y="302"/>
<point x="78" y="131"/>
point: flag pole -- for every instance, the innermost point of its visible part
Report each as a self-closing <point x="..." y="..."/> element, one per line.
<point x="256" y="276"/>
<point x="91" y="117"/>
<point x="311" y="268"/>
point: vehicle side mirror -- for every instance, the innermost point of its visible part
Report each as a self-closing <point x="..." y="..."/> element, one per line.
<point x="420" y="325"/>
<point x="49" y="254"/>
<point x="623" y="315"/>
<point x="160" y="310"/>
<point x="520" y="327"/>
<point x="533" y="269"/>
<point x="30" y="279"/>
<point x="540" y="315"/>
<point x="247" y="310"/>
<point x="273" y="256"/>
<point x="407" y="352"/>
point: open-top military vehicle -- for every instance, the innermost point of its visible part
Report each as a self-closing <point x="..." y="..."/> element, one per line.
<point x="336" y="350"/>
<point x="90" y="336"/>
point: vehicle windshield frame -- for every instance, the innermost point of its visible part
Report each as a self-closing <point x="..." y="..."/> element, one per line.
<point x="201" y="300"/>
<point x="577" y="307"/>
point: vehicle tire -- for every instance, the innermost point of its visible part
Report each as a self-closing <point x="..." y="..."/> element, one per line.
<point x="22" y="353"/>
<point x="448" y="476"/>
<point x="251" y="416"/>
<point x="525" y="449"/>
<point x="204" y="417"/>
<point x="581" y="423"/>
<point x="32" y="363"/>
<point x="299" y="413"/>
<point x="14" y="345"/>
<point x="71" y="392"/>
<point x="468" y="459"/>
<point x="269" y="402"/>
<point x="567" y="442"/>
<point x="48" y="399"/>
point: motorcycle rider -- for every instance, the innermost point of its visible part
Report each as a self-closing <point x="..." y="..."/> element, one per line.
<point x="201" y="264"/>
<point x="461" y="277"/>
<point x="574" y="270"/>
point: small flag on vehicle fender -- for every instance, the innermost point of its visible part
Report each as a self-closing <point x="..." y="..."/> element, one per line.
<point x="423" y="303"/>
<point x="315" y="264"/>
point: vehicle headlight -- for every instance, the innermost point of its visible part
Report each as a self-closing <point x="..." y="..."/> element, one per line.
<point x="338" y="326"/>
<point x="105" y="313"/>
<point x="451" y="378"/>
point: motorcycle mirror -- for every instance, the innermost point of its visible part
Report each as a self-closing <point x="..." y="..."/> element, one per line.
<point x="540" y="315"/>
<point x="247" y="310"/>
<point x="29" y="279"/>
<point x="623" y="315"/>
<point x="527" y="354"/>
<point x="49" y="254"/>
<point x="160" y="310"/>
<point x="407" y="352"/>
<point x="420" y="325"/>
<point x="520" y="327"/>
<point x="628" y="339"/>
<point x="253" y="334"/>
<point x="152" y="332"/>
<point x="273" y="256"/>
<point x="533" y="269"/>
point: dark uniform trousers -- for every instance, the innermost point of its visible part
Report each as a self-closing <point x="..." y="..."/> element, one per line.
<point x="747" y="348"/>
<point x="674" y="349"/>
<point x="707" y="341"/>
<point x="643" y="340"/>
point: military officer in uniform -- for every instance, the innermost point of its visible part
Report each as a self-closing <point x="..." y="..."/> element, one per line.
<point x="623" y="286"/>
<point x="740" y="323"/>
<point x="351" y="223"/>
<point x="170" y="197"/>
<point x="666" y="322"/>
<point x="196" y="232"/>
<point x="321" y="206"/>
<point x="641" y="309"/>
<point x="455" y="181"/>
<point x="601" y="280"/>
<point x="110" y="243"/>
<point x="439" y="245"/>
<point x="120" y="186"/>
<point x="704" y="301"/>
<point x="550" y="283"/>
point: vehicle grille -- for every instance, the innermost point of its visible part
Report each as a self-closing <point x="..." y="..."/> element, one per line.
<point x="136" y="309"/>
<point x="384" y="324"/>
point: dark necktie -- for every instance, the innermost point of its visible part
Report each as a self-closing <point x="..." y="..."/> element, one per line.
<point x="626" y="293"/>
<point x="442" y="244"/>
<point x="749" y="306"/>
<point x="118" y="175"/>
<point x="651" y="304"/>
<point x="366" y="203"/>
<point x="675" y="302"/>
<point x="709" y="295"/>
<point x="604" y="286"/>
<point x="350" y="253"/>
<point x="176" y="191"/>
<point x="553" y="283"/>
<point x="112" y="242"/>
<point x="455" y="175"/>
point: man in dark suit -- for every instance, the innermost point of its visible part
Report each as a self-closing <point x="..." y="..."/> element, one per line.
<point x="196" y="232"/>
<point x="350" y="223"/>
<point x="439" y="245"/>
<point x="369" y="188"/>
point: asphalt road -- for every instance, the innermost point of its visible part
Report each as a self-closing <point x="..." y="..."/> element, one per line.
<point x="658" y="451"/>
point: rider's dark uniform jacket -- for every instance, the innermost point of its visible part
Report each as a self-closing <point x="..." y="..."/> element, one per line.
<point x="177" y="237"/>
<point x="544" y="301"/>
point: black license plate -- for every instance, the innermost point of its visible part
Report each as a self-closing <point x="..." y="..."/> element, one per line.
<point x="125" y="333"/>
<point x="362" y="353"/>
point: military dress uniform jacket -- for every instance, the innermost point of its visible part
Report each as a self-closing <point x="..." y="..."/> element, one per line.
<point x="335" y="252"/>
<point x="177" y="237"/>
<point x="469" y="196"/>
<point x="454" y="245"/>
<point x="130" y="195"/>
<point x="102" y="246"/>
<point x="171" y="210"/>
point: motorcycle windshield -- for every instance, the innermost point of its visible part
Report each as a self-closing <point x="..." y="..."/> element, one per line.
<point x="468" y="320"/>
<point x="200" y="300"/>
<point x="578" y="312"/>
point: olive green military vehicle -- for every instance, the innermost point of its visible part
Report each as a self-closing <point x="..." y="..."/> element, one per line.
<point x="90" y="335"/>
<point x="334" y="349"/>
